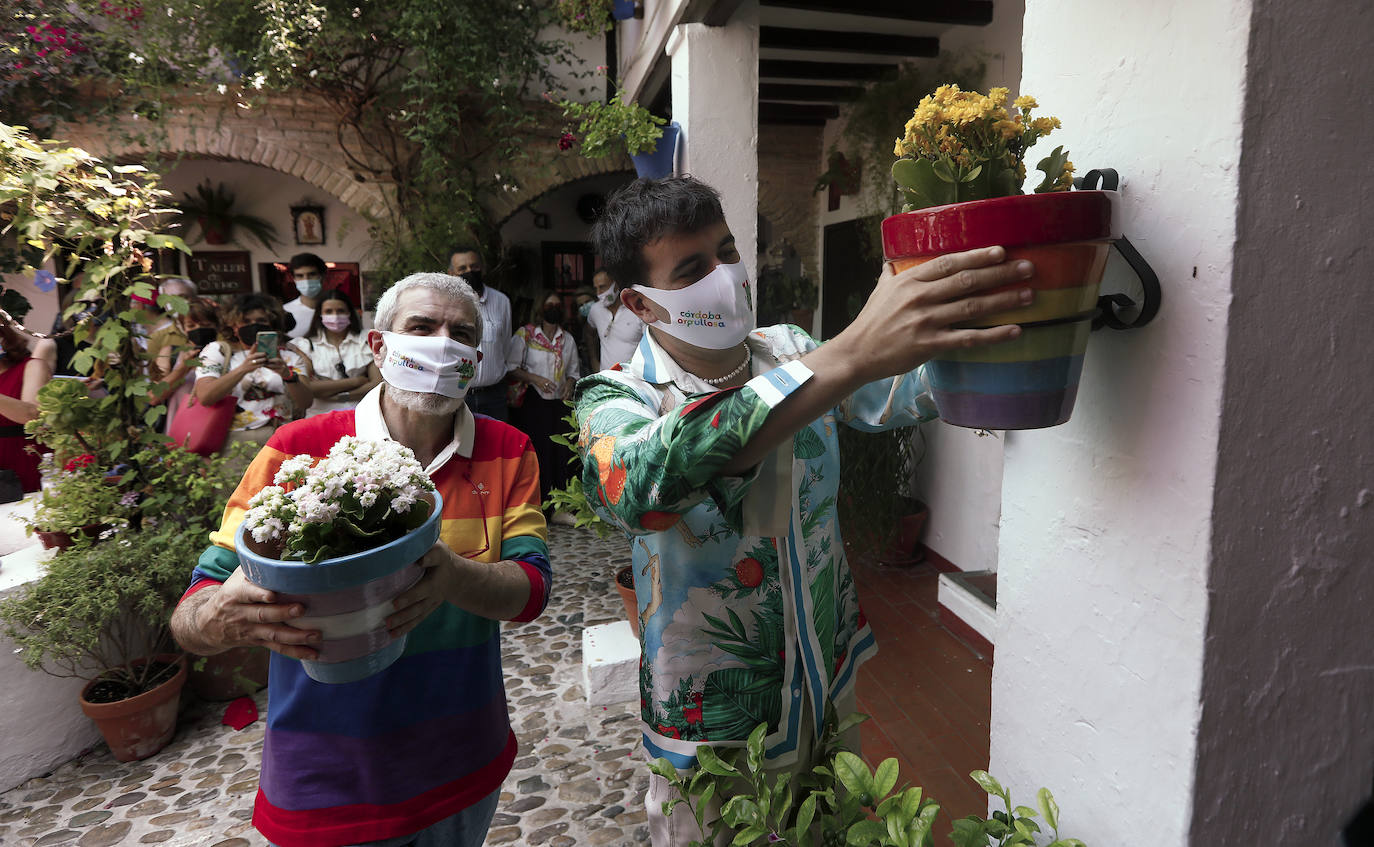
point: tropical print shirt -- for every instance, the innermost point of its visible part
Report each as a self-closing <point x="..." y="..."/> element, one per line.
<point x="745" y="597"/>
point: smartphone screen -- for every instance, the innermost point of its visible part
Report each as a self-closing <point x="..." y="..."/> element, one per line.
<point x="267" y="343"/>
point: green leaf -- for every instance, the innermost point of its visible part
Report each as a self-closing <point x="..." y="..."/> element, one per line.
<point x="711" y="763"/>
<point x="1053" y="167"/>
<point x="1048" y="807"/>
<point x="973" y="174"/>
<point x="864" y="833"/>
<point x="969" y="832"/>
<point x="664" y="768"/>
<point x="748" y="835"/>
<point x="807" y="444"/>
<point x="989" y="783"/>
<point x="704" y="803"/>
<point x="806" y="812"/>
<point x="885" y="777"/>
<point x="853" y="773"/>
<point x="850" y="721"/>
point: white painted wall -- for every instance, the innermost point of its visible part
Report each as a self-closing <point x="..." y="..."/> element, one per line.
<point x="1286" y="741"/>
<point x="715" y="100"/>
<point x="1104" y="549"/>
<point x="578" y="77"/>
<point x="270" y="195"/>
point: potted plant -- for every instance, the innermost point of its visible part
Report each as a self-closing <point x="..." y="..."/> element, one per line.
<point x="100" y="612"/>
<point x="592" y="17"/>
<point x="79" y="501"/>
<point x="879" y="518"/>
<point x="607" y="128"/>
<point x="212" y="208"/>
<point x="786" y="298"/>
<point x="340" y="535"/>
<point x="839" y="802"/>
<point x="960" y="170"/>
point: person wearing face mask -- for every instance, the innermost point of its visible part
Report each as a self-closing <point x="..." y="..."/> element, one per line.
<point x="544" y="358"/>
<point x="268" y="390"/>
<point x="613" y="332"/>
<point x="488" y="394"/>
<point x="172" y="370"/>
<point x="417" y="753"/>
<point x="307" y="270"/>
<point x="337" y="350"/>
<point x="715" y="448"/>
<point x="167" y="331"/>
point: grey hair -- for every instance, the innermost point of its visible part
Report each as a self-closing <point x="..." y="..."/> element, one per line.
<point x="453" y="286"/>
<point x="162" y="289"/>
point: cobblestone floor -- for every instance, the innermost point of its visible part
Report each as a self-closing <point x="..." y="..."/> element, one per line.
<point x="579" y="778"/>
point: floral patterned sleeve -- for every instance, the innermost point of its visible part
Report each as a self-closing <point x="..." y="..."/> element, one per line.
<point x="641" y="468"/>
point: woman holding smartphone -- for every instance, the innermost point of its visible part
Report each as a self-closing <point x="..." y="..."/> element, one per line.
<point x="334" y="343"/>
<point x="253" y="363"/>
<point x="174" y="368"/>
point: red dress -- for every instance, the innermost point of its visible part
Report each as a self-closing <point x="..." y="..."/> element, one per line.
<point x="14" y="445"/>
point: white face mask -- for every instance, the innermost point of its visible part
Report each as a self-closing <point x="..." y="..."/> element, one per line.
<point x="337" y="323"/>
<point x="607" y="297"/>
<point x="429" y="364"/>
<point x="715" y="312"/>
<point x="310" y="287"/>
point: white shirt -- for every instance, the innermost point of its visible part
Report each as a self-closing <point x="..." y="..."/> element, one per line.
<point x="541" y="361"/>
<point x="302" y="313"/>
<point x="619" y="334"/>
<point x="493" y="308"/>
<point x="352" y="353"/>
<point x="368" y="423"/>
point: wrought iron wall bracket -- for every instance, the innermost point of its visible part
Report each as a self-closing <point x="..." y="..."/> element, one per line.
<point x="1114" y="309"/>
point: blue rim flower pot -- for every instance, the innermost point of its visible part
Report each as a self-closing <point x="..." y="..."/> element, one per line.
<point x="623" y="10"/>
<point x="347" y="598"/>
<point x="658" y="163"/>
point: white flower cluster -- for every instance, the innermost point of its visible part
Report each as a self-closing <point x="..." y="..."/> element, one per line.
<point x="352" y="478"/>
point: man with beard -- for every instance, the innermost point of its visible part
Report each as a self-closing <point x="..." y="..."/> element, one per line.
<point x="415" y="754"/>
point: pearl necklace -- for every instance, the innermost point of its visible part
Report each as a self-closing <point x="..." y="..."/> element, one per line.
<point x="748" y="357"/>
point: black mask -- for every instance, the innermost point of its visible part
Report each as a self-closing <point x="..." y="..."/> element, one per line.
<point x="202" y="336"/>
<point x="553" y="314"/>
<point x="474" y="278"/>
<point x="249" y="334"/>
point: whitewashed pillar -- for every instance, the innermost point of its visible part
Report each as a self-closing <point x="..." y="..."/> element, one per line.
<point x="716" y="102"/>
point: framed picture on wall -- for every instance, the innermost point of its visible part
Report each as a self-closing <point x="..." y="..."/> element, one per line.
<point x="308" y="223"/>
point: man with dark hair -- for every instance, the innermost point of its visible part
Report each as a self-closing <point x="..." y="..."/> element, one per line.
<point x="613" y="332"/>
<point x="307" y="270"/>
<point x="715" y="449"/>
<point x="488" y="393"/>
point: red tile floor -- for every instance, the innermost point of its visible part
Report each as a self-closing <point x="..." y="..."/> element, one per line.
<point x="928" y="694"/>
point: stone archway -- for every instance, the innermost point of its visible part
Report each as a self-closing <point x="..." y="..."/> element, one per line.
<point x="559" y="169"/>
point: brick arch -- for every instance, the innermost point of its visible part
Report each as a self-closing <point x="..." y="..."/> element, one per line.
<point x="555" y="171"/>
<point x="281" y="133"/>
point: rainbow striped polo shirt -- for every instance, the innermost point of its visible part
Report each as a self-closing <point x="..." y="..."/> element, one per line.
<point x="429" y="736"/>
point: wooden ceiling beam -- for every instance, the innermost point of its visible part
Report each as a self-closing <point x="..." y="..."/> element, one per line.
<point x="809" y="93"/>
<point x="796" y="113"/>
<point x="964" y="12"/>
<point x="882" y="44"/>
<point x="791" y="69"/>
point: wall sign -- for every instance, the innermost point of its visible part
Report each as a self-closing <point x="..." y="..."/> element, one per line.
<point x="221" y="271"/>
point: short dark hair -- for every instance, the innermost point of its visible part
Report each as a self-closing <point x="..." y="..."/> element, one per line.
<point x="465" y="248"/>
<point x="307" y="260"/>
<point x="644" y="211"/>
<point x="355" y="323"/>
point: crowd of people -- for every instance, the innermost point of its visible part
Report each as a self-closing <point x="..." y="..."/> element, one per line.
<point x="282" y="361"/>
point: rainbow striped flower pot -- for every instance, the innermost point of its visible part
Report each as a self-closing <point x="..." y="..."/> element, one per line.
<point x="1031" y="382"/>
<point x="348" y="599"/>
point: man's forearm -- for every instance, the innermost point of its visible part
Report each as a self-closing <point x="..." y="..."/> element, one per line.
<point x="185" y="629"/>
<point x="496" y="590"/>
<point x="833" y="378"/>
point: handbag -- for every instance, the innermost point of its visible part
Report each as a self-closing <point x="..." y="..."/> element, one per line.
<point x="202" y="428"/>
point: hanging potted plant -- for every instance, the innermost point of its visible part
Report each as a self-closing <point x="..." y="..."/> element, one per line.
<point x="341" y="536"/>
<point x="79" y="501"/>
<point x="960" y="172"/>
<point x="608" y="128"/>
<point x="212" y="208"/>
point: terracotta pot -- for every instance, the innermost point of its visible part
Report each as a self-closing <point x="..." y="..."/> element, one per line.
<point x="63" y="540"/>
<point x="215" y="232"/>
<point x="1031" y="382"/>
<point x="344" y="597"/>
<point x="140" y="726"/>
<point x="627" y="596"/>
<point x="234" y="673"/>
<point x="904" y="549"/>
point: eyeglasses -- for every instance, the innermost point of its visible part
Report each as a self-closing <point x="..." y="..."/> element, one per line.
<point x="482" y="508"/>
